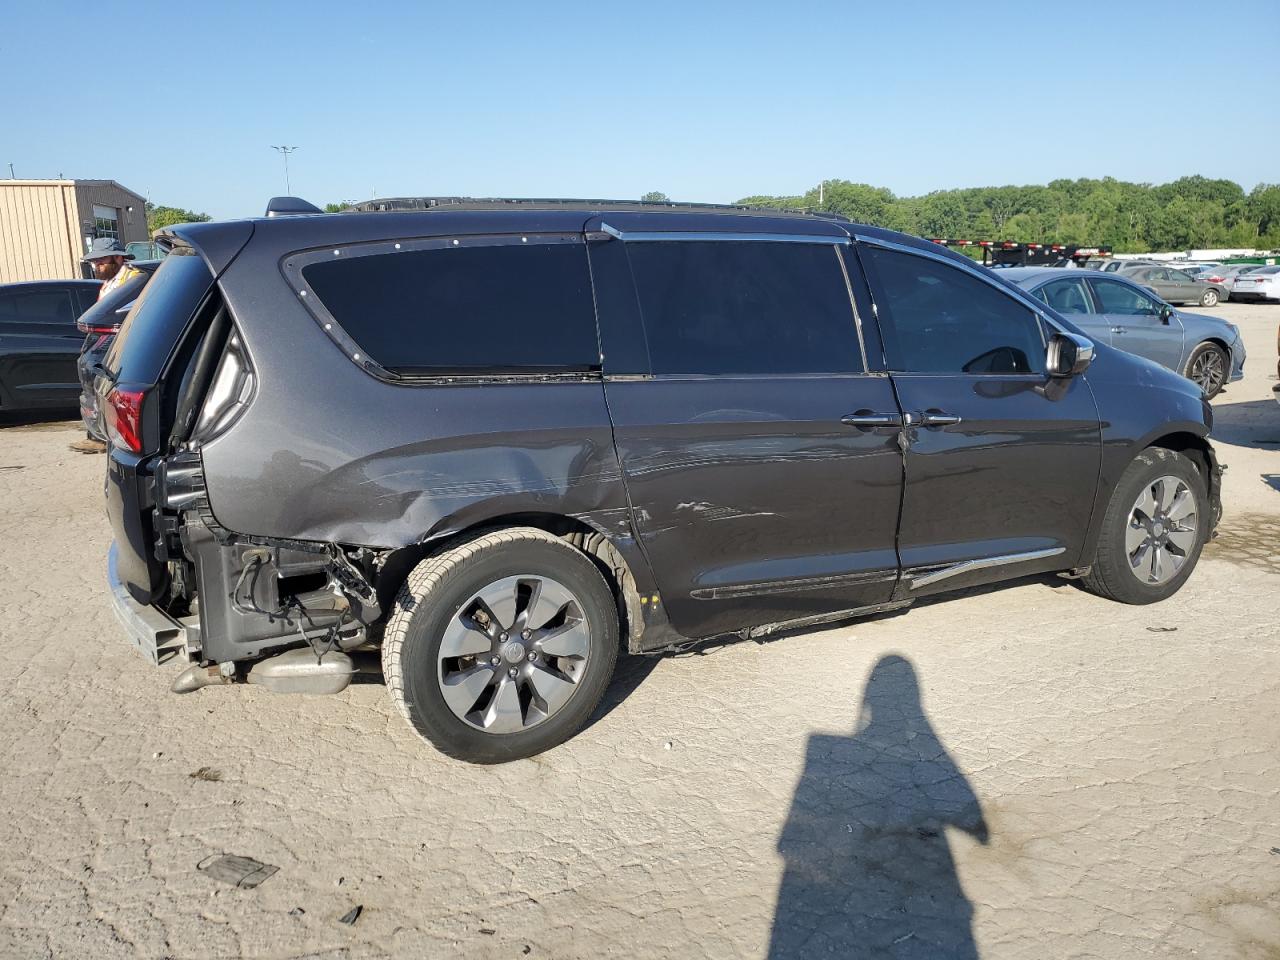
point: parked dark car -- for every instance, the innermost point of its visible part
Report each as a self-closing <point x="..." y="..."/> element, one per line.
<point x="100" y="324"/>
<point x="1112" y="308"/>
<point x="1174" y="286"/>
<point x="39" y="342"/>
<point x="504" y="439"/>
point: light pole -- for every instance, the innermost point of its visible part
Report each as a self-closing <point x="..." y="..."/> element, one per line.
<point x="284" y="152"/>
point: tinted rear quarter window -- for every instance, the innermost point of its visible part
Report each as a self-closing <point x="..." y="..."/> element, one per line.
<point x="485" y="307"/>
<point x="37" y="306"/>
<point x="156" y="323"/>
<point x="745" y="307"/>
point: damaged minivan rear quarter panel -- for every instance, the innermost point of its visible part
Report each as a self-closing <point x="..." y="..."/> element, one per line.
<point x="329" y="451"/>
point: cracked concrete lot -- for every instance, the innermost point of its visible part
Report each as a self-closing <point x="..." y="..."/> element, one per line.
<point x="1023" y="772"/>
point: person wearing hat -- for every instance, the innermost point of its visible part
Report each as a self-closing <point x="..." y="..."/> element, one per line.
<point x="107" y="256"/>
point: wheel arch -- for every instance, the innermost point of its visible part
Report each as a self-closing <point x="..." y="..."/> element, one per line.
<point x="609" y="554"/>
<point x="1200" y="452"/>
<point x="1214" y="339"/>
<point x="1189" y="437"/>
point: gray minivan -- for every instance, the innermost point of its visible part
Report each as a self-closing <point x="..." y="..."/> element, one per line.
<point x="502" y="440"/>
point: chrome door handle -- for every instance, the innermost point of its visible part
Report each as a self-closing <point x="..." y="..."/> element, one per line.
<point x="865" y="418"/>
<point x="1118" y="330"/>
<point x="936" y="418"/>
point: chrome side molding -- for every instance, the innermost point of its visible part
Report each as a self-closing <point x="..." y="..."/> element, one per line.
<point x="662" y="236"/>
<point x="955" y="569"/>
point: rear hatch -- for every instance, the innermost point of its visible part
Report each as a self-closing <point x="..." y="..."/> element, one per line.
<point x="138" y="384"/>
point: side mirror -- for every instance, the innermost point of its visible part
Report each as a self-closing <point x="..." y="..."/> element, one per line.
<point x="1166" y="312"/>
<point x="1068" y="355"/>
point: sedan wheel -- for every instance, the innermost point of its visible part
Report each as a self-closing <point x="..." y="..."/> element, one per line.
<point x="1208" y="368"/>
<point x="1210" y="298"/>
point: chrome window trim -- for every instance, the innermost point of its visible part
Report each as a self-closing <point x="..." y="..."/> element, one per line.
<point x="653" y="236"/>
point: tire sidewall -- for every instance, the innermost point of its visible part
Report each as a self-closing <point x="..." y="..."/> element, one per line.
<point x="1200" y="351"/>
<point x="1210" y="299"/>
<point x="428" y="711"/>
<point x="1163" y="463"/>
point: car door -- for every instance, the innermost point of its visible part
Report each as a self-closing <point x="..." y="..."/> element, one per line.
<point x="39" y="344"/>
<point x="1139" y="323"/>
<point x="1070" y="296"/>
<point x="1001" y="462"/>
<point x="1166" y="285"/>
<point x="1184" y="288"/>
<point x="759" y="449"/>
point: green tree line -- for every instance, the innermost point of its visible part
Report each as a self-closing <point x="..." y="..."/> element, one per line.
<point x="159" y="217"/>
<point x="1193" y="212"/>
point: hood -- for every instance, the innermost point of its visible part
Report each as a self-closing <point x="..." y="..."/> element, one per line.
<point x="1117" y="366"/>
<point x="1201" y="325"/>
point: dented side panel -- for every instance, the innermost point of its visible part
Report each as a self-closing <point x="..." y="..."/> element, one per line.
<point x="327" y="453"/>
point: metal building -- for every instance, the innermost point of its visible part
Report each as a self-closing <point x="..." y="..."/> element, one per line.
<point x="45" y="225"/>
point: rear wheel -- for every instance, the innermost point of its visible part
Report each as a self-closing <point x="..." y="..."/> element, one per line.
<point x="1209" y="298"/>
<point x="500" y="648"/>
<point x="1208" y="367"/>
<point x="1153" y="530"/>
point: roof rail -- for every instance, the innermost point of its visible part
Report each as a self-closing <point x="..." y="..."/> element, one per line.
<point x="290" y="206"/>
<point x="389" y="204"/>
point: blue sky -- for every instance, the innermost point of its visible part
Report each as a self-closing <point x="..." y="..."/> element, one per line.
<point x="704" y="101"/>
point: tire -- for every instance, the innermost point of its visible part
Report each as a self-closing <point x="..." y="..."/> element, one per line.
<point x="1115" y="574"/>
<point x="1209" y="298"/>
<point x="1208" y="366"/>
<point x="536" y="699"/>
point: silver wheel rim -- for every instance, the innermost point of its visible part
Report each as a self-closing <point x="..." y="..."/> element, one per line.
<point x="1210" y="299"/>
<point x="514" y="654"/>
<point x="1162" y="530"/>
<point x="1208" y="370"/>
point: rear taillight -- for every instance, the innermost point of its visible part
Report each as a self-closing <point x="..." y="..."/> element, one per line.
<point x="1215" y="279"/>
<point x="98" y="328"/>
<point x="123" y="418"/>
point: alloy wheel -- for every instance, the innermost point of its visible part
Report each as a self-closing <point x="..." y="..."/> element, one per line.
<point x="1161" y="533"/>
<point x="1209" y="371"/>
<point x="514" y="654"/>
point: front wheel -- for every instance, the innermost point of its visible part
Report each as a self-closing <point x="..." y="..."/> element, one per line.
<point x="1207" y="366"/>
<point x="1209" y="298"/>
<point x="1153" y="530"/>
<point x="500" y="648"/>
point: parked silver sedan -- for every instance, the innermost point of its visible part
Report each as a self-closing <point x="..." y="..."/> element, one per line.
<point x="1113" y="309"/>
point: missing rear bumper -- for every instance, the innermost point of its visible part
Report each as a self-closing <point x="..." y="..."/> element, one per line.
<point x="157" y="635"/>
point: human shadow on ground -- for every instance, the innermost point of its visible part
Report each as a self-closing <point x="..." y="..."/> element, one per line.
<point x="869" y="871"/>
